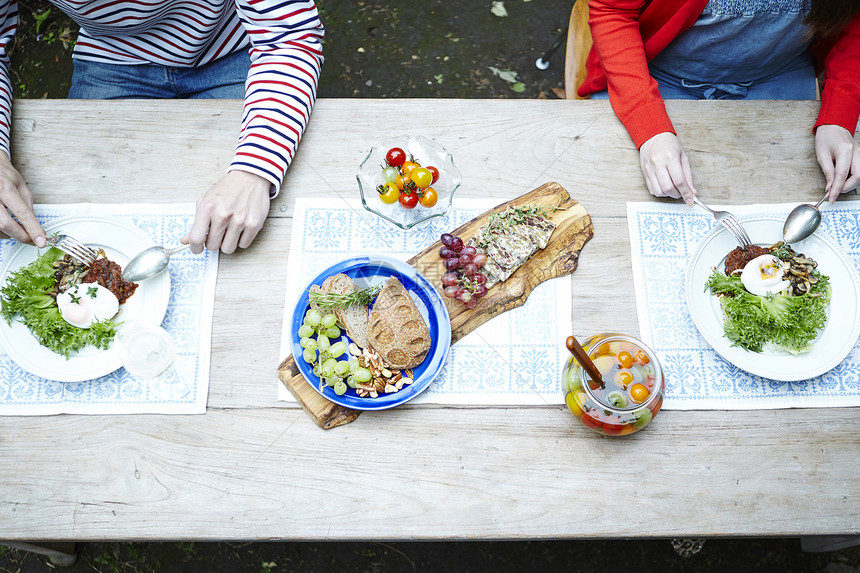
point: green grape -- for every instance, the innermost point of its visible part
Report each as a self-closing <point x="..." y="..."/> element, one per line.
<point x="350" y="381"/>
<point x="327" y="367"/>
<point x="309" y="355"/>
<point x="340" y="388"/>
<point x="313" y="318"/>
<point x="362" y="375"/>
<point x="329" y="320"/>
<point x="323" y="343"/>
<point x="306" y="330"/>
<point x="337" y="348"/>
<point x="332" y="332"/>
<point x="341" y="368"/>
<point x="312" y="344"/>
<point x="332" y="380"/>
<point x="353" y="365"/>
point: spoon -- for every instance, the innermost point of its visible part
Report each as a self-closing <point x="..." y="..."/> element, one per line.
<point x="802" y="221"/>
<point x="149" y="263"/>
<point x="584" y="359"/>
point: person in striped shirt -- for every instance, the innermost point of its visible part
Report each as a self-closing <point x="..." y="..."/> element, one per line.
<point x="268" y="52"/>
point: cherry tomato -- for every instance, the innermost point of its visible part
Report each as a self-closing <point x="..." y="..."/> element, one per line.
<point x="572" y="405"/>
<point x="395" y="156"/>
<point x="408" y="200"/>
<point x="625" y="359"/>
<point x="589" y="422"/>
<point x="639" y="393"/>
<point x="421" y="177"/>
<point x="623" y="378"/>
<point x="603" y="348"/>
<point x="389" y="174"/>
<point x="408" y="167"/>
<point x="642" y="358"/>
<point x="613" y="427"/>
<point x="434" y="172"/>
<point x="388" y="193"/>
<point x="429" y="198"/>
<point x="400" y="182"/>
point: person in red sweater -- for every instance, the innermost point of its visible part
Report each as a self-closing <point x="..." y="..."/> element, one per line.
<point x="644" y="51"/>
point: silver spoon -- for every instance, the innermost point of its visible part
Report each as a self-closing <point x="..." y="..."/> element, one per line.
<point x="149" y="263"/>
<point x="802" y="221"/>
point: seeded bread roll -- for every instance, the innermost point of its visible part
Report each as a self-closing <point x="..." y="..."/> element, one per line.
<point x="396" y="329"/>
<point x="353" y="318"/>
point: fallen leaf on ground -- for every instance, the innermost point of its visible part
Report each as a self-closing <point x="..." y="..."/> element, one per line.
<point x="498" y="9"/>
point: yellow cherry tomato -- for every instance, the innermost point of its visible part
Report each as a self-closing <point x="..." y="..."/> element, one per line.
<point x="641" y="357"/>
<point x="400" y="182"/>
<point x="574" y="408"/>
<point x="625" y="359"/>
<point x="421" y="177"/>
<point x="429" y="197"/>
<point x="408" y="167"/>
<point x="389" y="193"/>
<point x="638" y="393"/>
<point x="623" y="378"/>
<point x="603" y="348"/>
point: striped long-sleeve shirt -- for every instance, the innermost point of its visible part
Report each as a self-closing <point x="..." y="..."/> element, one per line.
<point x="284" y="38"/>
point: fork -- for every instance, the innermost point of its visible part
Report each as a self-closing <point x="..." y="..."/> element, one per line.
<point x="728" y="221"/>
<point x="73" y="247"/>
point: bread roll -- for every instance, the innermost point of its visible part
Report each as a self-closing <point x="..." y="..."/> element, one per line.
<point x="396" y="329"/>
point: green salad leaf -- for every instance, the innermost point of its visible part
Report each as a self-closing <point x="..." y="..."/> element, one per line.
<point x="26" y="296"/>
<point x="791" y="323"/>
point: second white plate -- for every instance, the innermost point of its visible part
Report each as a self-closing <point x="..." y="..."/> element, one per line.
<point x="843" y="322"/>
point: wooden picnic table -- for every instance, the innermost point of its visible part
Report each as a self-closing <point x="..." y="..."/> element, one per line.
<point x="254" y="468"/>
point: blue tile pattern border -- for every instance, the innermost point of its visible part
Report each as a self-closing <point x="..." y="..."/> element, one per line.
<point x="188" y="321"/>
<point x="514" y="359"/>
<point x="663" y="239"/>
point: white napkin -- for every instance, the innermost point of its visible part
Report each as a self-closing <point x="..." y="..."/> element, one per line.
<point x="514" y="359"/>
<point x="663" y="239"/>
<point x="188" y="321"/>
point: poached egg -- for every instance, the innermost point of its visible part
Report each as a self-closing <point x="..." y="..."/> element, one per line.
<point x="85" y="303"/>
<point x="763" y="276"/>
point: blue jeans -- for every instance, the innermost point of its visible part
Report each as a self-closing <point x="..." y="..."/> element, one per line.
<point x="222" y="79"/>
<point x="797" y="84"/>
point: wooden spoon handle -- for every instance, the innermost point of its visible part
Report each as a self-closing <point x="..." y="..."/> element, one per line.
<point x="584" y="359"/>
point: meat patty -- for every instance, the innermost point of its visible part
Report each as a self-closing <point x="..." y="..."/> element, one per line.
<point x="738" y="258"/>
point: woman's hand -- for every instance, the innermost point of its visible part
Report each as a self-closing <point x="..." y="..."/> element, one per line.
<point x="230" y="214"/>
<point x="839" y="157"/>
<point x="666" y="167"/>
<point x="16" y="199"/>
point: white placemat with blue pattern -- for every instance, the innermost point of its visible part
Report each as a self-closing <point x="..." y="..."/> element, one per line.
<point x="663" y="239"/>
<point x="188" y="321"/>
<point x="514" y="359"/>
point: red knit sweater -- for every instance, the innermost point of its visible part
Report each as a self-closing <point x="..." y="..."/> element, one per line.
<point x="627" y="34"/>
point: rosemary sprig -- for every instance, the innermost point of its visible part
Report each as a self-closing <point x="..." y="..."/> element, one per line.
<point x="331" y="301"/>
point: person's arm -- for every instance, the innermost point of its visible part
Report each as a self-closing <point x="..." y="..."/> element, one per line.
<point x="835" y="148"/>
<point x="635" y="97"/>
<point x="17" y="218"/>
<point x="286" y="56"/>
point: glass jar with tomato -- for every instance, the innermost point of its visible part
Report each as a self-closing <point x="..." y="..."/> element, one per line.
<point x="631" y="392"/>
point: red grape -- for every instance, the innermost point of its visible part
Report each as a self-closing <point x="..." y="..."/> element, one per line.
<point x="479" y="278"/>
<point x="452" y="263"/>
<point x="451" y="291"/>
<point x="465" y="260"/>
<point x="446" y="239"/>
<point x="449" y="279"/>
<point x="447" y="252"/>
<point x="457" y="244"/>
<point x="480" y="259"/>
<point x="472" y="302"/>
<point x="469" y="269"/>
<point x="469" y="250"/>
<point x="480" y="290"/>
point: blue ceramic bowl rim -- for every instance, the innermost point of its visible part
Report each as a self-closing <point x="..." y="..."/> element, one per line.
<point x="398" y="142"/>
<point x="437" y="318"/>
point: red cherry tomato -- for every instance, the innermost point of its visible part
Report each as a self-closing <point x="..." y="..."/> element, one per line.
<point x="590" y="422"/>
<point x="613" y="428"/>
<point x="434" y="172"/>
<point x="395" y="157"/>
<point x="408" y="200"/>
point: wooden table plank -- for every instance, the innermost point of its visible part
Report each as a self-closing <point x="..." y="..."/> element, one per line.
<point x="256" y="468"/>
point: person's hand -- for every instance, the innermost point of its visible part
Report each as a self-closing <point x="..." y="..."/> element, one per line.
<point x="666" y="167"/>
<point x="839" y="157"/>
<point x="230" y="214"/>
<point x="16" y="199"/>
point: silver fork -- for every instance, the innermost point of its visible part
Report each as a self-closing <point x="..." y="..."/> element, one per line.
<point x="728" y="221"/>
<point x="73" y="247"/>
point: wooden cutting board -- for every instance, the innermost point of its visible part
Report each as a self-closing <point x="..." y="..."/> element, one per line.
<point x="559" y="258"/>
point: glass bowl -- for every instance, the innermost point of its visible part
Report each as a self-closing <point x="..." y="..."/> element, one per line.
<point x="426" y="153"/>
<point x="633" y="385"/>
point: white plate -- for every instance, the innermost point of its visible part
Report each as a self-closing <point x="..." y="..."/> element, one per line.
<point x="834" y="342"/>
<point x="148" y="303"/>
